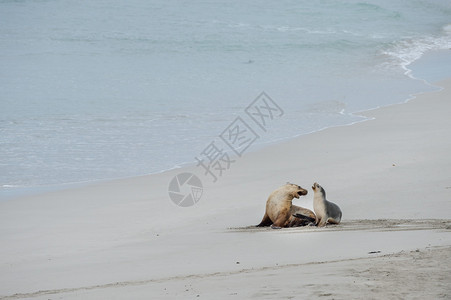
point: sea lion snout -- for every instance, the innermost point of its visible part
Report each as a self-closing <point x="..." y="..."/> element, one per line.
<point x="302" y="192"/>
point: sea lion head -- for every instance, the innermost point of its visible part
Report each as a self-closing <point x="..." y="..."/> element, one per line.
<point x="317" y="188"/>
<point x="295" y="190"/>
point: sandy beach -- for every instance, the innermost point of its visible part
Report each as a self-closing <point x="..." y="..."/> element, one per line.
<point x="125" y="239"/>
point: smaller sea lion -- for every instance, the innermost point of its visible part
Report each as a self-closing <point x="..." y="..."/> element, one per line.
<point x="326" y="211"/>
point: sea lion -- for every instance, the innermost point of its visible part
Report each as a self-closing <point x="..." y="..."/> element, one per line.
<point x="326" y="211"/>
<point x="280" y="211"/>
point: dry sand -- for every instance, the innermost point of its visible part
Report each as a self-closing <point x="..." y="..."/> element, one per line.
<point x="419" y="274"/>
<point x="125" y="239"/>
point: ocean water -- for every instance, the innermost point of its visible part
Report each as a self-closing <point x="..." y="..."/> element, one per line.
<point x="93" y="90"/>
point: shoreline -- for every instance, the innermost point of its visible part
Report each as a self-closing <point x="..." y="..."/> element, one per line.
<point x="8" y="193"/>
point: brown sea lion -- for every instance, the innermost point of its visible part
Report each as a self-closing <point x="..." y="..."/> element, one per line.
<point x="280" y="211"/>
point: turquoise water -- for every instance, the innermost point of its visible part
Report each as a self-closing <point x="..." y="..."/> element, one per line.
<point x="93" y="90"/>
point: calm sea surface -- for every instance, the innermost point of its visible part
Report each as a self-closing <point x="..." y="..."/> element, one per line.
<point x="95" y="90"/>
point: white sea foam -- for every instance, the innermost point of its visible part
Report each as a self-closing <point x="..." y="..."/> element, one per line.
<point x="407" y="51"/>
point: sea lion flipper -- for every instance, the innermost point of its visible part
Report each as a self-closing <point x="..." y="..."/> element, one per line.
<point x="303" y="217"/>
<point x="266" y="221"/>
